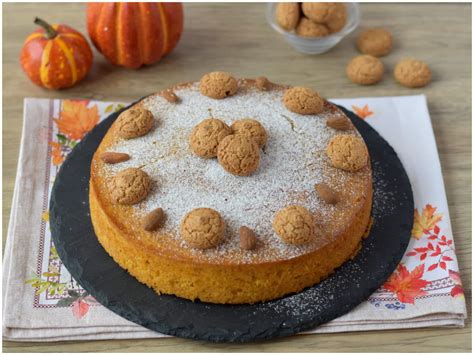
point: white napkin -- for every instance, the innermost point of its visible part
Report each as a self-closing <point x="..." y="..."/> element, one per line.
<point x="425" y="290"/>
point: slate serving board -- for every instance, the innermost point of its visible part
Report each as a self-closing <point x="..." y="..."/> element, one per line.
<point x="114" y="288"/>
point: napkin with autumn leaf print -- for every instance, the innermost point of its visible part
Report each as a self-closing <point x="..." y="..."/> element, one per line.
<point x="42" y="302"/>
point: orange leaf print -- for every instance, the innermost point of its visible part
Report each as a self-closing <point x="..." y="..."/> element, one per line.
<point x="425" y="221"/>
<point x="363" y="112"/>
<point x="407" y="285"/>
<point x="76" y="119"/>
<point x="80" y="309"/>
<point x="56" y="153"/>
<point x="457" y="290"/>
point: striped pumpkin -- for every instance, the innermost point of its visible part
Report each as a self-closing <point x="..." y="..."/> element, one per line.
<point x="134" y="34"/>
<point x="55" y="56"/>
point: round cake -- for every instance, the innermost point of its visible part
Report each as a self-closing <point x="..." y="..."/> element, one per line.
<point x="231" y="191"/>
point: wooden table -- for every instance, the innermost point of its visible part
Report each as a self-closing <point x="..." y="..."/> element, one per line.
<point x="236" y="38"/>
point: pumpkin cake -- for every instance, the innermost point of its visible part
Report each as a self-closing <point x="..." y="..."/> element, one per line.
<point x="238" y="191"/>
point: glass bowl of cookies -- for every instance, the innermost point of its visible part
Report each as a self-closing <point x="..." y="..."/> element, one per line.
<point x="313" y="27"/>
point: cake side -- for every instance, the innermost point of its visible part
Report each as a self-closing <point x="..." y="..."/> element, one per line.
<point x="226" y="283"/>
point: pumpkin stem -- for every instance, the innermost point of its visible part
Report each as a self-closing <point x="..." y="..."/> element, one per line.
<point x="49" y="30"/>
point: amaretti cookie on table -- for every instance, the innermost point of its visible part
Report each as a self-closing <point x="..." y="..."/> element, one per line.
<point x="375" y="41"/>
<point x="365" y="70"/>
<point x="231" y="190"/>
<point x="412" y="73"/>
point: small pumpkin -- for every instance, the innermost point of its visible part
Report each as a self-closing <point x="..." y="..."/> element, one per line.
<point x="55" y="56"/>
<point x="134" y="34"/>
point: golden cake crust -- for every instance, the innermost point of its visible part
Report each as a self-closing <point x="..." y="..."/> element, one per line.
<point x="228" y="274"/>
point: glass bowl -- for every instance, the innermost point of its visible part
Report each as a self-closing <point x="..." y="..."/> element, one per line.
<point x="316" y="45"/>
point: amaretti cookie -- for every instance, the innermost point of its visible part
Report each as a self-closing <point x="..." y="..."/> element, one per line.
<point x="412" y="73"/>
<point x="288" y="15"/>
<point x="375" y="41"/>
<point x="365" y="70"/>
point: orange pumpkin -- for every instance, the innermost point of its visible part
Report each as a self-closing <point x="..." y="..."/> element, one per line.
<point x="55" y="56"/>
<point x="134" y="34"/>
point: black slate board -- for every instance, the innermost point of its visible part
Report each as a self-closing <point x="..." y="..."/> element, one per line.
<point x="113" y="287"/>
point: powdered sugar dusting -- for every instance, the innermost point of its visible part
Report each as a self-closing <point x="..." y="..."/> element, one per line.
<point x="291" y="163"/>
<point x="312" y="300"/>
<point x="385" y="201"/>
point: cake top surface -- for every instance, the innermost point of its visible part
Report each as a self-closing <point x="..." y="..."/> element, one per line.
<point x="292" y="161"/>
